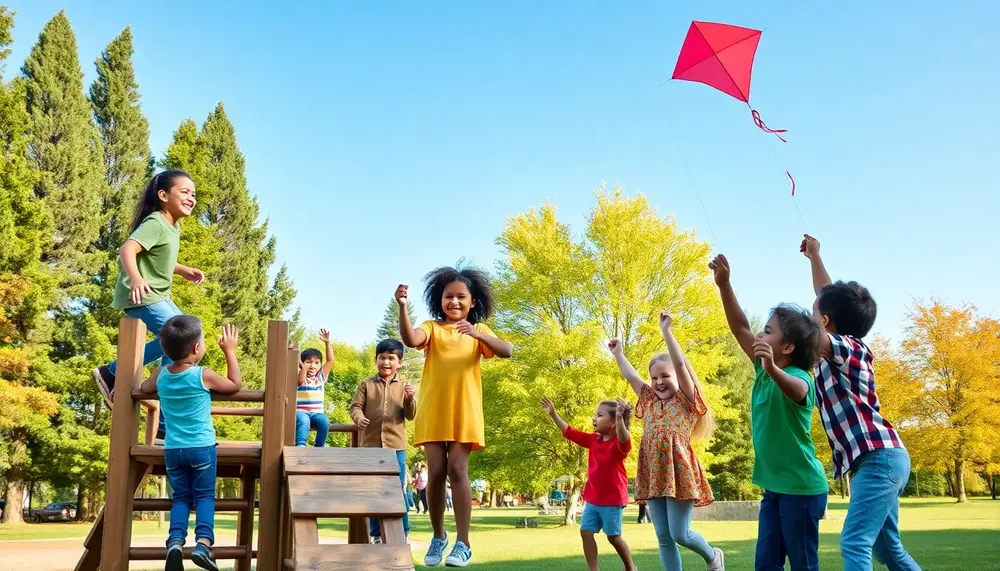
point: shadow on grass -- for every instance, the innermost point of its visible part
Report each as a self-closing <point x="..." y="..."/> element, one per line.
<point x="941" y="550"/>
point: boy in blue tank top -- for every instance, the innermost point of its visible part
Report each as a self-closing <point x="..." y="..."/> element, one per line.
<point x="185" y="391"/>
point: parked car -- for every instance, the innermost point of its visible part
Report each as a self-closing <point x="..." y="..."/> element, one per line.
<point x="59" y="511"/>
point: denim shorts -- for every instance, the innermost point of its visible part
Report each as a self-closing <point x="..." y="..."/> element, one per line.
<point x="602" y="518"/>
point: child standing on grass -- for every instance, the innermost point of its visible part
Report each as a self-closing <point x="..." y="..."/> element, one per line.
<point x="147" y="265"/>
<point x="449" y="422"/>
<point x="785" y="463"/>
<point x="310" y="396"/>
<point x="863" y="442"/>
<point x="669" y="477"/>
<point x="185" y="392"/>
<point x="606" y="491"/>
<point x="381" y="406"/>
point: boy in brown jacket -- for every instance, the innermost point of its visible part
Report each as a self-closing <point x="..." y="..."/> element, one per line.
<point x="381" y="406"/>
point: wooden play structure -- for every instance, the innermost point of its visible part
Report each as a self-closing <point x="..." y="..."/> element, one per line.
<point x="297" y="485"/>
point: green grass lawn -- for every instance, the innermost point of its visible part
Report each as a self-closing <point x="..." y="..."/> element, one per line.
<point x="939" y="533"/>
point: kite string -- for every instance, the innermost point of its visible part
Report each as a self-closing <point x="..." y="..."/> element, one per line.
<point x="782" y="165"/>
<point x="694" y="184"/>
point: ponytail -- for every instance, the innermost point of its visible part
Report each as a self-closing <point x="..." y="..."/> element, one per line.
<point x="150" y="201"/>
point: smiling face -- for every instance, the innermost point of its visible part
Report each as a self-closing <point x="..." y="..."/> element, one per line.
<point x="179" y="201"/>
<point x="456" y="301"/>
<point x="663" y="378"/>
<point x="604" y="420"/>
<point x="387" y="364"/>
<point x="311" y="365"/>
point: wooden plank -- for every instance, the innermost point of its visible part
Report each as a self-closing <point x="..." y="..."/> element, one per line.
<point x="164" y="505"/>
<point x="236" y="411"/>
<point x="354" y="558"/>
<point x="152" y="423"/>
<point x="268" y="531"/>
<point x="304" y="531"/>
<point x="345" y="496"/>
<point x="357" y="531"/>
<point x="291" y="387"/>
<point x="160" y="553"/>
<point x="241" y="396"/>
<point x="392" y="531"/>
<point x="341" y="461"/>
<point x="244" y="520"/>
<point x="117" y="534"/>
<point x="227" y="452"/>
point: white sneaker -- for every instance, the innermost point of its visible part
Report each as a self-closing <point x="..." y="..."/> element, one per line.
<point x="435" y="551"/>
<point x="460" y="555"/>
<point x="719" y="563"/>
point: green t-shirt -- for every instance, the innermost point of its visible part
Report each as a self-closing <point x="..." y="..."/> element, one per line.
<point x="160" y="243"/>
<point x="786" y="461"/>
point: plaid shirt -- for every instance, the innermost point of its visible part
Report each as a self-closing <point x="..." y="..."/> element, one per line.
<point x="848" y="405"/>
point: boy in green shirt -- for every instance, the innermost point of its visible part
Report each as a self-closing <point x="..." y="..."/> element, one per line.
<point x="785" y="463"/>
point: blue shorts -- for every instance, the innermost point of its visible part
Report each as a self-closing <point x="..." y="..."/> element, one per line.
<point x="602" y="518"/>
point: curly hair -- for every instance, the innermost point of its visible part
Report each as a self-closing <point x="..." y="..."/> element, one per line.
<point x="478" y="282"/>
<point x="798" y="328"/>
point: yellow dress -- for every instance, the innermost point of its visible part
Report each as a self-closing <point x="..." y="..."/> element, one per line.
<point x="450" y="407"/>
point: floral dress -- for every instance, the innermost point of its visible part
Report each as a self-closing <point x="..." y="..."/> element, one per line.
<point x="668" y="466"/>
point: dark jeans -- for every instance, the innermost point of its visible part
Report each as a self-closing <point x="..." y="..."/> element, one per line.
<point x="191" y="472"/>
<point x="373" y="522"/>
<point x="422" y="499"/>
<point x="789" y="526"/>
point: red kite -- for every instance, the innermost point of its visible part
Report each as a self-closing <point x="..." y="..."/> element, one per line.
<point x="721" y="56"/>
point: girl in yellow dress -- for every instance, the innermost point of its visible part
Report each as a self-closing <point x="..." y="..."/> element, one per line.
<point x="669" y="477"/>
<point x="449" y="422"/>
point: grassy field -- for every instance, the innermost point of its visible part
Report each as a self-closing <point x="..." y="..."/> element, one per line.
<point x="940" y="534"/>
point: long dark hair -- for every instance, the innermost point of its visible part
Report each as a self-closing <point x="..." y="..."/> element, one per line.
<point x="150" y="201"/>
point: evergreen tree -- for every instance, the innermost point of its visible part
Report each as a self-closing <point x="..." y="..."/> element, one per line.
<point x="66" y="148"/>
<point x="413" y="360"/>
<point x="114" y="96"/>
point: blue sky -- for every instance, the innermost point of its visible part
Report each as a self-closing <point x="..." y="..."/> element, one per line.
<point x="387" y="138"/>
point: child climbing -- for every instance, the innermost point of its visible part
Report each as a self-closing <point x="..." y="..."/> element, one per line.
<point x="606" y="491"/>
<point x="669" y="477"/>
<point x="185" y="392"/>
<point x="381" y="406"/>
<point x="147" y="265"/>
<point x="310" y="396"/>
<point x="449" y="422"/>
<point x="863" y="442"/>
<point x="782" y="399"/>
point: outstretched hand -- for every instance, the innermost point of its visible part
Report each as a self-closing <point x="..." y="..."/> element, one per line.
<point x="547" y="406"/>
<point x="615" y="346"/>
<point x="666" y="320"/>
<point x="324" y="335"/>
<point x="720" y="268"/>
<point x="809" y="246"/>
<point x="229" y="339"/>
<point x="621" y="408"/>
<point x="402" y="294"/>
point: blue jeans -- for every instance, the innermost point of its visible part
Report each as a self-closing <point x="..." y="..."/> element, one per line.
<point x="372" y="522"/>
<point x="191" y="472"/>
<point x="789" y="526"/>
<point x="306" y="420"/>
<point x="672" y="521"/>
<point x="154" y="316"/>
<point x="873" y="514"/>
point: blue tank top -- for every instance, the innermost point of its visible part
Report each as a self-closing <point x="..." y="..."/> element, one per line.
<point x="187" y="408"/>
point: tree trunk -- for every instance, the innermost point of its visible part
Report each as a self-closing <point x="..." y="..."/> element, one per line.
<point x="574" y="496"/>
<point x="993" y="485"/>
<point x="15" y="481"/>
<point x="960" y="481"/>
<point x="81" y="503"/>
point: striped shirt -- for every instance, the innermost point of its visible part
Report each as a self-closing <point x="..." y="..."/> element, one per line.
<point x="309" y="396"/>
<point x="848" y="405"/>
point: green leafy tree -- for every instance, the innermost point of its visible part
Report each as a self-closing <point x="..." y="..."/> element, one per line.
<point x="732" y="448"/>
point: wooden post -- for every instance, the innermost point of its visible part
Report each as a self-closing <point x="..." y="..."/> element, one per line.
<point x="291" y="388"/>
<point x="124" y="433"/>
<point x="244" y="520"/>
<point x="268" y="530"/>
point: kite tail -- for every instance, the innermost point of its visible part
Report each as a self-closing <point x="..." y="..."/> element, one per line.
<point x="790" y="178"/>
<point x="763" y="126"/>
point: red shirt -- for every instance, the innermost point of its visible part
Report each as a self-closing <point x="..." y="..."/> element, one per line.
<point x="607" y="483"/>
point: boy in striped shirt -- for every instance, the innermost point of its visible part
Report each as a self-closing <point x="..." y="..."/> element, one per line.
<point x="863" y="442"/>
<point x="310" y="411"/>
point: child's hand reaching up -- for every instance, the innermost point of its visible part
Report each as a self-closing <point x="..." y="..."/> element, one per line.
<point x="402" y="294"/>
<point x="615" y="346"/>
<point x="666" y="320"/>
<point x="324" y="335"/>
<point x="622" y="408"/>
<point x="720" y="267"/>
<point x="809" y="246"/>
<point x="548" y="406"/>
<point x="229" y="338"/>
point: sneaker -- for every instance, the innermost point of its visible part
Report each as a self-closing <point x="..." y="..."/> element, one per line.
<point x="202" y="557"/>
<point x="376" y="540"/>
<point x="435" y="551"/>
<point x="105" y="384"/>
<point x="719" y="563"/>
<point x="175" y="557"/>
<point x="460" y="555"/>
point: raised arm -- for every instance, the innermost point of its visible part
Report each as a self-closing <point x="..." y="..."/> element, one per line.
<point x="324" y="336"/>
<point x="681" y="367"/>
<point x="738" y="322"/>
<point x="409" y="336"/>
<point x="622" y="411"/>
<point x="551" y="410"/>
<point x="626" y="368"/>
<point x="233" y="381"/>
<point x="810" y="249"/>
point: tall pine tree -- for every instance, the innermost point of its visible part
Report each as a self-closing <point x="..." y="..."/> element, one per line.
<point x="413" y="360"/>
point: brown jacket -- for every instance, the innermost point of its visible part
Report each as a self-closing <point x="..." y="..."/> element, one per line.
<point x="383" y="404"/>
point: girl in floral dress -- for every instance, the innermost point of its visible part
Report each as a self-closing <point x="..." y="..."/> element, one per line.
<point x="669" y="477"/>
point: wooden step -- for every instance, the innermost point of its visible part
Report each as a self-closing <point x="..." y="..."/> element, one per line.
<point x="345" y="496"/>
<point x="164" y="505"/>
<point x="337" y="461"/>
<point x="353" y="558"/>
<point x="160" y="553"/>
<point x="241" y="396"/>
<point x="228" y="452"/>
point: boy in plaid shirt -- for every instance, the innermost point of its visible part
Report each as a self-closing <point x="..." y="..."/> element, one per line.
<point x="863" y="442"/>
